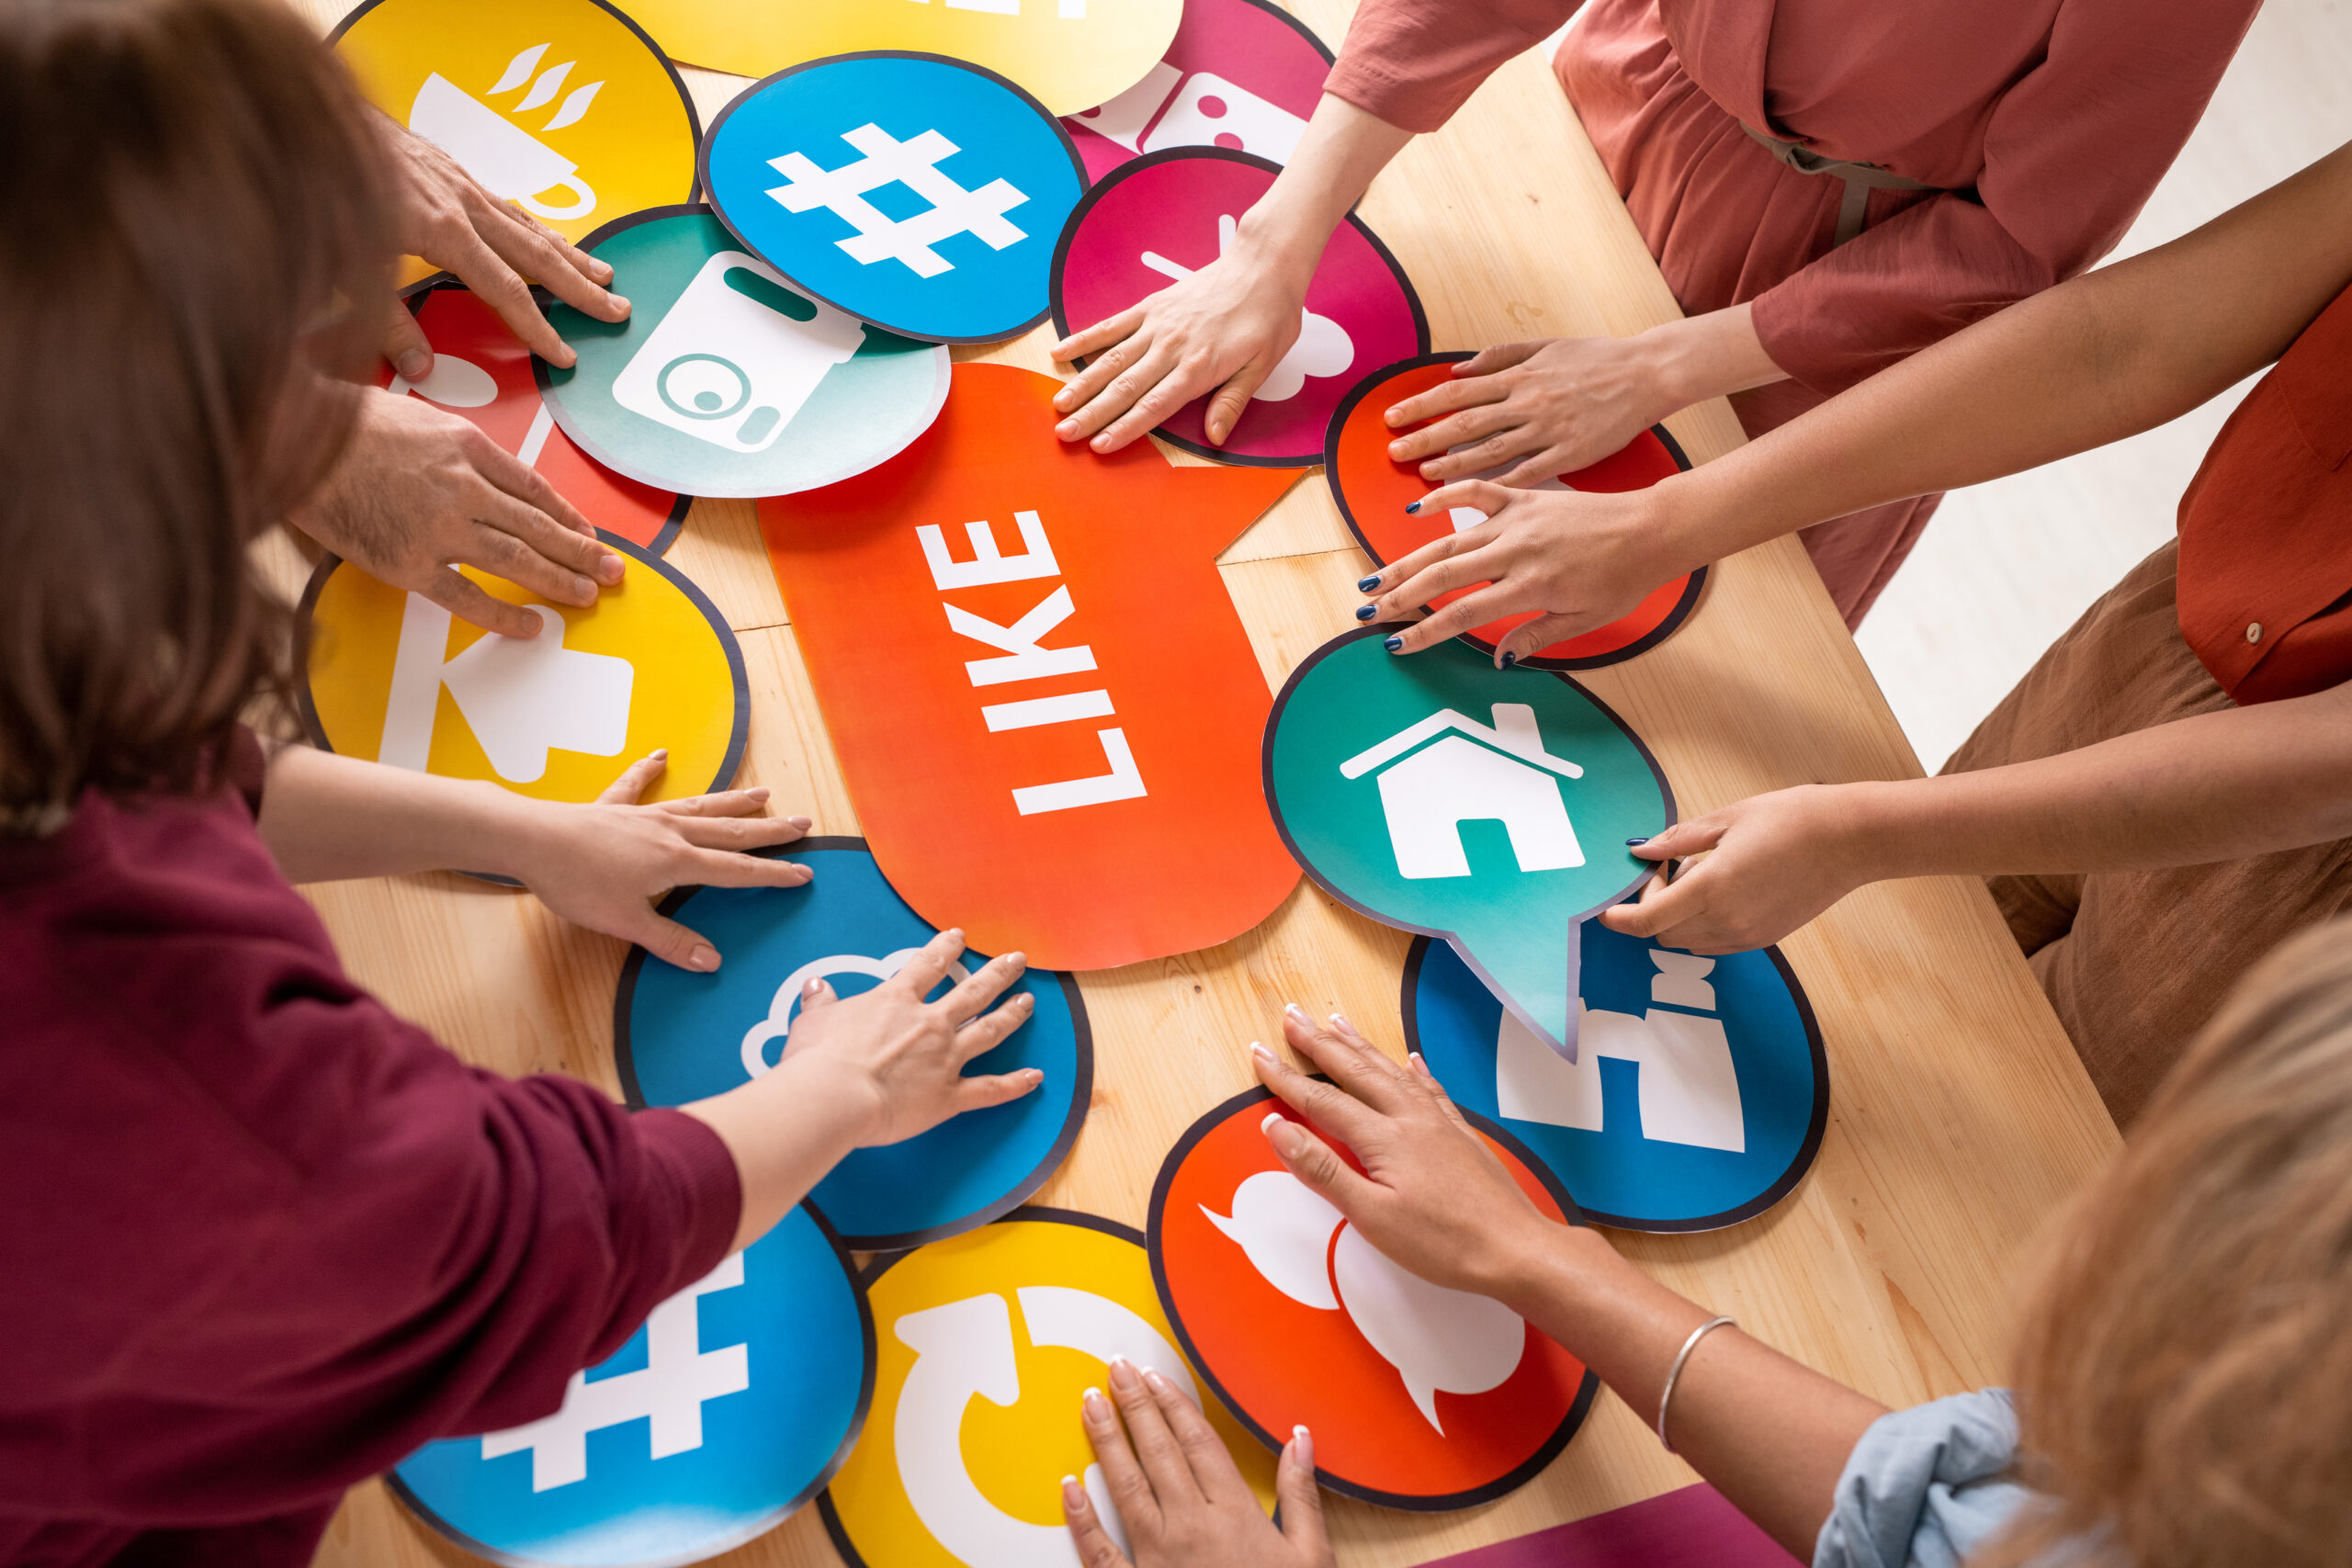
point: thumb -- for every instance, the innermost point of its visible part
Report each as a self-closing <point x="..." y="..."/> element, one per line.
<point x="1498" y="357"/>
<point x="1309" y="1158"/>
<point x="1694" y="837"/>
<point x="1523" y="643"/>
<point x="667" y="941"/>
<point x="1662" y="906"/>
<point x="1302" y="1502"/>
<point x="1225" y="408"/>
<point x="405" y="346"/>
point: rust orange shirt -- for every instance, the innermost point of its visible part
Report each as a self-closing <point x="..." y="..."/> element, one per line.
<point x="2265" y="527"/>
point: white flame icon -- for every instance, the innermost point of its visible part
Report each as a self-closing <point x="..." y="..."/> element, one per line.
<point x="1436" y="1338"/>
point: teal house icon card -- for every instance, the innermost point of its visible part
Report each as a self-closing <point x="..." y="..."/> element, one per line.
<point x="1490" y="808"/>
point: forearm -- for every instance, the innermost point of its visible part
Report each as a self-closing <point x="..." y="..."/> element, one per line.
<point x="327" y="818"/>
<point x="1343" y="148"/>
<point x="2108" y="354"/>
<point x="786" y="1129"/>
<point x="2216" y="787"/>
<point x="1710" y="357"/>
<point x="1770" y="1434"/>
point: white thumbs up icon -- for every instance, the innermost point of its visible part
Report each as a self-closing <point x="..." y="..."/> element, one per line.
<point x="521" y="696"/>
<point x="1323" y="347"/>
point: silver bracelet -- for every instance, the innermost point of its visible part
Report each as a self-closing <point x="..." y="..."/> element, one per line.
<point x="1666" y="1396"/>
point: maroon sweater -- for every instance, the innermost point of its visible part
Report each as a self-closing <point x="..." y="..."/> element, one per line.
<point x="259" y="1238"/>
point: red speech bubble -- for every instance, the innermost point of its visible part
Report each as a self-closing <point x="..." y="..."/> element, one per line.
<point x="1046" y="708"/>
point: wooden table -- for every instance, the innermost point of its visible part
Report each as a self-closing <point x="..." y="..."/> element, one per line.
<point x="1959" y="1113"/>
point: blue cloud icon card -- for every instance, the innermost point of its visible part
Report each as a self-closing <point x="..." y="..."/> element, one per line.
<point x="917" y="193"/>
<point x="680" y="1036"/>
<point x="731" y="1407"/>
<point x="1699" y="1090"/>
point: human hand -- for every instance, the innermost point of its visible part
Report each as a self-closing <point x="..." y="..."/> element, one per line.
<point x="1580" y="559"/>
<point x="1432" y="1195"/>
<point x="602" y="865"/>
<point x="899" y="1059"/>
<point x="1179" y="1493"/>
<point x="447" y="216"/>
<point x="419" y="489"/>
<point x="1555" y="405"/>
<point x="1226" y="326"/>
<point x="1768" y="864"/>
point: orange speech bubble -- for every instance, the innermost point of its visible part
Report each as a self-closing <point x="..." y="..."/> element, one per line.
<point x="1045" y="706"/>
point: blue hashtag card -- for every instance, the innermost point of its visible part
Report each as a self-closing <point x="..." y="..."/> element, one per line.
<point x="917" y="193"/>
<point x="1699" y="1090"/>
<point x="733" y="1405"/>
<point x="679" y="1036"/>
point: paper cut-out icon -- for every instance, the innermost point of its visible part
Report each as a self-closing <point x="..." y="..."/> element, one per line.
<point x="564" y="108"/>
<point x="738" y="1398"/>
<point x="1069" y="53"/>
<point x="1242" y="74"/>
<point x="679" y="1036"/>
<point x="394" y="678"/>
<point x="482" y="371"/>
<point x="1080" y="690"/>
<point x="725" y="380"/>
<point x="1501" y="837"/>
<point x="1419" y="1396"/>
<point x="1698" y="1093"/>
<point x="920" y="194"/>
<point x="1373" y="489"/>
<point x="1436" y="1338"/>
<point x="985" y="1342"/>
<point x="1167" y="214"/>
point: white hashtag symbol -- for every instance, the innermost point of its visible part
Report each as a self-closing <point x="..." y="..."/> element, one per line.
<point x="888" y="161"/>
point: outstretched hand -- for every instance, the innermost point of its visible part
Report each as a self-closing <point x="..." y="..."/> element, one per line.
<point x="603" y="866"/>
<point x="1766" y="865"/>
<point x="419" y="489"/>
<point x="1580" y="559"/>
<point x="445" y="215"/>
<point x="1179" y="1494"/>
<point x="1226" y="326"/>
<point x="1554" y="404"/>
<point x="1425" y="1188"/>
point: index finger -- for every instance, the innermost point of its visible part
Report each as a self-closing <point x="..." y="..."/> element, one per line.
<point x="934" y="961"/>
<point x="1353" y="1061"/>
<point x="527" y="485"/>
<point x="1102" y="335"/>
<point x="1213" y="1470"/>
<point x="973" y="994"/>
<point x="1448" y="397"/>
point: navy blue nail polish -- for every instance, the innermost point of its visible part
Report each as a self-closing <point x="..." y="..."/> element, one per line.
<point x="1510" y="659"/>
<point x="1395" y="644"/>
<point x="1366" y="585"/>
<point x="1366" y="612"/>
<point x="1411" y="507"/>
<point x="1635" y="843"/>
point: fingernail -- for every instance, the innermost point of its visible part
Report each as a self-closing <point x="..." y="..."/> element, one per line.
<point x="1416" y="1058"/>
<point x="1395" y="644"/>
<point x="800" y="823"/>
<point x="1155" y="1382"/>
<point x="1066" y="430"/>
<point x="620" y="302"/>
<point x="1411" y="507"/>
<point x="416" y="365"/>
<point x="1637" y="843"/>
<point x="757" y="795"/>
<point x="1273" y="1118"/>
<point x="563" y="358"/>
<point x="1035" y="1075"/>
<point x="1366" y="585"/>
<point x="1123" y="1372"/>
<point x="1510" y="659"/>
<point x="611" y="567"/>
<point x="810" y="987"/>
<point x="583" y="589"/>
<point x="1018" y="960"/>
<point x="1260" y="1051"/>
<point x="1073" y="1494"/>
<point x="1102" y="443"/>
<point x="1366" y="612"/>
<point x="1094" y="1405"/>
<point x="1395" y="415"/>
<point x="1303" y="1443"/>
<point x="659" y="754"/>
<point x="704" y="958"/>
<point x="1292" y="1010"/>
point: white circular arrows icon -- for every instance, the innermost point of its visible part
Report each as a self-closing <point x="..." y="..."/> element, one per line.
<point x="778" y="1025"/>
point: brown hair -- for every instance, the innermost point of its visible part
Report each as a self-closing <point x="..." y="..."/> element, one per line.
<point x="2185" y="1369"/>
<point x="193" y="243"/>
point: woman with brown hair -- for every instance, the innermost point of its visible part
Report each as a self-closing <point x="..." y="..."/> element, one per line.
<point x="2181" y="1370"/>
<point x="260" y="1237"/>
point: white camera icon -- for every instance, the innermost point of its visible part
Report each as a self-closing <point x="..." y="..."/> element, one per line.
<point x="736" y="357"/>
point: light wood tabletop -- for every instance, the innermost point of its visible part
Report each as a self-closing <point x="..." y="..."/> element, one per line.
<point x="1959" y="1115"/>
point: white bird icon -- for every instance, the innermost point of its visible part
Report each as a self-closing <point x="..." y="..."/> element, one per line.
<point x="1323" y="347"/>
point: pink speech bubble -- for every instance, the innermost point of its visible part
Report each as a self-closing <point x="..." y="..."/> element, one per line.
<point x="1168" y="214"/>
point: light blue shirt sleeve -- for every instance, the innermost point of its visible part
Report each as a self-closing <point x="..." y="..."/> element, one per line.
<point x="1926" y="1486"/>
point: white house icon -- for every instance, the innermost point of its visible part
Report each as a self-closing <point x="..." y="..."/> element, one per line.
<point x="1429" y="786"/>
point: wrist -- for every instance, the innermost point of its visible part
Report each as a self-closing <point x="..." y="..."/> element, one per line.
<point x="1527" y="1265"/>
<point x="1874" y="828"/>
<point x="840" y="1098"/>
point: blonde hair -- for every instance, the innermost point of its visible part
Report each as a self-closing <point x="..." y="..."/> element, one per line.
<point x="2184" y="1369"/>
